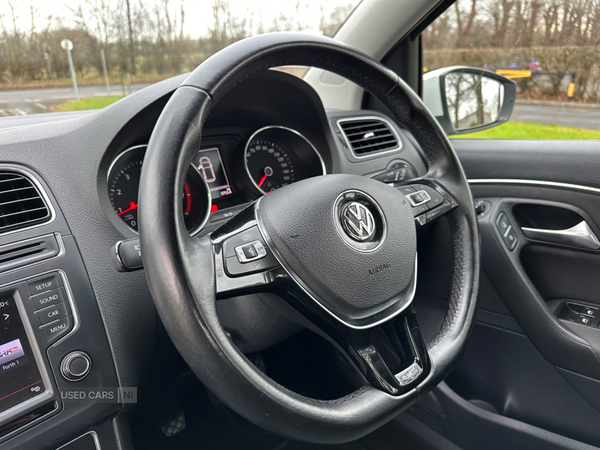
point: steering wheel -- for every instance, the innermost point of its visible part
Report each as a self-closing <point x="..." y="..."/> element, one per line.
<point x="340" y="251"/>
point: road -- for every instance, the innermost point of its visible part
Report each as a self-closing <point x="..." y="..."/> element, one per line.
<point x="32" y="101"/>
<point x="569" y="116"/>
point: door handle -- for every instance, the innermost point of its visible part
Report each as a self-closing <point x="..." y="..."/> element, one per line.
<point x="581" y="236"/>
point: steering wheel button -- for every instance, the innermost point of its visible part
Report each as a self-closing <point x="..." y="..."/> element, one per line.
<point x="435" y="198"/>
<point x="234" y="267"/>
<point x="418" y="198"/>
<point x="250" y="252"/>
<point x="406" y="189"/>
<point x="245" y="237"/>
<point x="420" y="209"/>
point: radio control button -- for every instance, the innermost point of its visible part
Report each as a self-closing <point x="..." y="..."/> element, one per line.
<point x="245" y="237"/>
<point x="52" y="313"/>
<point x="56" y="330"/>
<point x="48" y="298"/>
<point x="76" y="366"/>
<point x="250" y="252"/>
<point x="44" y="283"/>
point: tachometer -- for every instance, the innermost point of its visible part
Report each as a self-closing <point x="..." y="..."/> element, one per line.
<point x="277" y="156"/>
<point x="123" y="187"/>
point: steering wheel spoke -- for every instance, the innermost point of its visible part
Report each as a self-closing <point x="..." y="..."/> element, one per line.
<point x="391" y="356"/>
<point x="428" y="199"/>
<point x="243" y="262"/>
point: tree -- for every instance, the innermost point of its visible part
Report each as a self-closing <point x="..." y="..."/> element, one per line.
<point x="336" y="18"/>
<point x="227" y="27"/>
<point x="465" y="25"/>
<point x="500" y="13"/>
<point x="131" y="43"/>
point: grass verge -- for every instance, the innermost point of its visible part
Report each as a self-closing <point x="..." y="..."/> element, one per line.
<point x="87" y="103"/>
<point x="530" y="130"/>
<point x="89" y="80"/>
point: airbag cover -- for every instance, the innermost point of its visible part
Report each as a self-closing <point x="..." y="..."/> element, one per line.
<point x="302" y="224"/>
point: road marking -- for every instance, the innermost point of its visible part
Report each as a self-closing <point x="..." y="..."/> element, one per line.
<point x="3" y="113"/>
<point x="39" y="105"/>
<point x="17" y="112"/>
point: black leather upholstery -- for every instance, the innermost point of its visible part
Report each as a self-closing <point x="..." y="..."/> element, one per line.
<point x="180" y="269"/>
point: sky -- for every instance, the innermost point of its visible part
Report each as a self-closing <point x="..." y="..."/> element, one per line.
<point x="198" y="14"/>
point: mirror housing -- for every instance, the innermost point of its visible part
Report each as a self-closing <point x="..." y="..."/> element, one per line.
<point x="468" y="99"/>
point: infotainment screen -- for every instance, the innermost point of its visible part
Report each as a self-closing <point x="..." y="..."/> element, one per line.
<point x="20" y="378"/>
<point x="209" y="164"/>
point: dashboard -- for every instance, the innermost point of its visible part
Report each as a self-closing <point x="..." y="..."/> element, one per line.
<point x="77" y="314"/>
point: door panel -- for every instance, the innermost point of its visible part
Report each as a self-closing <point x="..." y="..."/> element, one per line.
<point x="572" y="162"/>
<point x="531" y="359"/>
<point x="504" y="370"/>
<point x="555" y="341"/>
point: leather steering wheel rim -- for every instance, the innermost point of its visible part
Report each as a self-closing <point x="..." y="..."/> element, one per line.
<point x="182" y="278"/>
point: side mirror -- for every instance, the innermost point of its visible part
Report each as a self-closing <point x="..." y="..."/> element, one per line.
<point x="468" y="99"/>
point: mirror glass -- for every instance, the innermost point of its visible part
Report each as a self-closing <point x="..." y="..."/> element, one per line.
<point x="473" y="99"/>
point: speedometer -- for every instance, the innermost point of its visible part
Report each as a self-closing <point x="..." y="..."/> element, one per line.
<point x="269" y="165"/>
<point x="277" y="156"/>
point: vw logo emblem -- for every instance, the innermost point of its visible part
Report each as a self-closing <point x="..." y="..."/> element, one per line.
<point x="357" y="221"/>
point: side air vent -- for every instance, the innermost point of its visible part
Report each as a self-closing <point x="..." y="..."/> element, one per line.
<point x="368" y="135"/>
<point x="29" y="251"/>
<point x="21" y="204"/>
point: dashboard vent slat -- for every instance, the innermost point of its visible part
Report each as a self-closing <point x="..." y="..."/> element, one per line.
<point x="369" y="135"/>
<point x="9" y="179"/>
<point x="22" y="253"/>
<point x="21" y="203"/>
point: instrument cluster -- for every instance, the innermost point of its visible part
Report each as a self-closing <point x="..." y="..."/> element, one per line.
<point x="272" y="157"/>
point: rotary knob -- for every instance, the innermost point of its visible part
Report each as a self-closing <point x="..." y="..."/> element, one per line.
<point x="76" y="366"/>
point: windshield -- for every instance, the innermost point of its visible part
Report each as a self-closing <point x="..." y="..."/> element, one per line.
<point x="66" y="55"/>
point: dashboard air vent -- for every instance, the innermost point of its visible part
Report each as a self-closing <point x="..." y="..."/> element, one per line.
<point x="368" y="135"/>
<point x="21" y="204"/>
